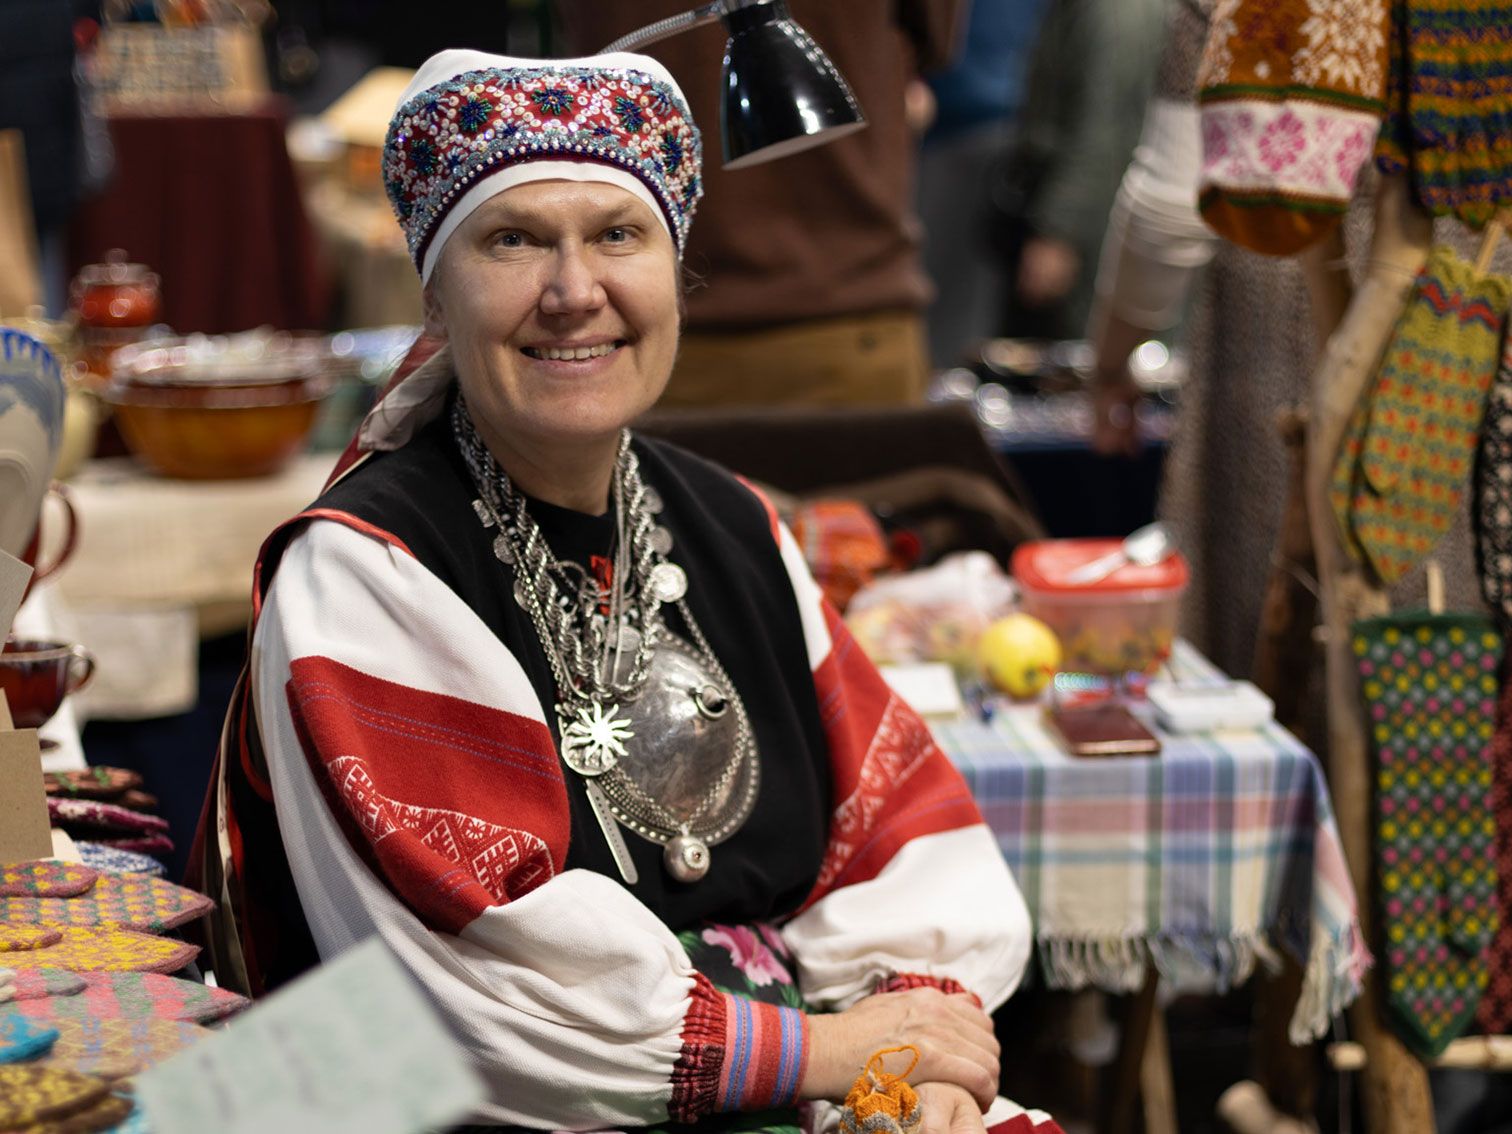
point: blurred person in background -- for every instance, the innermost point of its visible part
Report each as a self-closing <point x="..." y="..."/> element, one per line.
<point x="813" y="288"/>
<point x="1090" y="75"/>
<point x="976" y="103"/>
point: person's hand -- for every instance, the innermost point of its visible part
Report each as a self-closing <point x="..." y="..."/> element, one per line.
<point x="1047" y="269"/>
<point x="953" y="1036"/>
<point x="948" y="1109"/>
<point x="1115" y="422"/>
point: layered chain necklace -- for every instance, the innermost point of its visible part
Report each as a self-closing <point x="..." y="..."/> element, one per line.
<point x="650" y="721"/>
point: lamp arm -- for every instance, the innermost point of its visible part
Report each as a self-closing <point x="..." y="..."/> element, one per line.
<point x="672" y="25"/>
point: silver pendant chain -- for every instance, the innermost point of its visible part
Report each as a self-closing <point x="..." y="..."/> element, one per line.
<point x="600" y="662"/>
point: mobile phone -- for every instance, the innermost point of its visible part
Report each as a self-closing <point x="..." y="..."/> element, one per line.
<point x="1100" y="730"/>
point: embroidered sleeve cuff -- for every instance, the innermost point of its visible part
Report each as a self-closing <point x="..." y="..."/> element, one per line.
<point x="901" y="982"/>
<point x="737" y="1054"/>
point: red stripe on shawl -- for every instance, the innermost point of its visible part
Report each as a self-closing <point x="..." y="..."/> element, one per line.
<point x="892" y="781"/>
<point x="458" y="806"/>
<point x="768" y="507"/>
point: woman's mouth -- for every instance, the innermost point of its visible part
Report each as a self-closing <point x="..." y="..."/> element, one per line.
<point x="573" y="354"/>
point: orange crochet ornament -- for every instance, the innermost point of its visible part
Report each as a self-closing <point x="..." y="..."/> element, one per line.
<point x="883" y="1103"/>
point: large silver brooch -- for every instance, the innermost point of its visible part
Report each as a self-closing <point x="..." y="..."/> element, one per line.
<point x="593" y="738"/>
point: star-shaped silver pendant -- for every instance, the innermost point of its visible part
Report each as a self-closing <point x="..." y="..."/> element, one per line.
<point x="593" y="737"/>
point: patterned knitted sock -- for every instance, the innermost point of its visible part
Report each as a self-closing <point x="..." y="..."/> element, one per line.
<point x="1406" y="456"/>
<point x="1429" y="683"/>
<point x="1492" y="513"/>
<point x="1495" y="1012"/>
<point x="1449" y="100"/>
<point x="1291" y="93"/>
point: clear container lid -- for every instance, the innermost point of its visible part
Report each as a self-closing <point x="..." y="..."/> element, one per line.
<point x="1043" y="565"/>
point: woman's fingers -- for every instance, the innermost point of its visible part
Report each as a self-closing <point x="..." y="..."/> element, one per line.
<point x="979" y="1080"/>
<point x="949" y="1110"/>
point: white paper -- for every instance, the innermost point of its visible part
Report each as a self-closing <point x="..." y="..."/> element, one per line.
<point x="351" y="1048"/>
<point x="930" y="688"/>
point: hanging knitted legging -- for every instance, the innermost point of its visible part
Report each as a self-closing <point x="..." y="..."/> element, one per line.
<point x="1449" y="105"/>
<point x="1495" y="1012"/>
<point x="1429" y="683"/>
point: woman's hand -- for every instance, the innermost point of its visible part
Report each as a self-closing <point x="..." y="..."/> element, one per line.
<point x="953" y="1036"/>
<point x="948" y="1109"/>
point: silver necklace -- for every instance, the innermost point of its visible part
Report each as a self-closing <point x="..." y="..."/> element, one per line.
<point x="651" y="722"/>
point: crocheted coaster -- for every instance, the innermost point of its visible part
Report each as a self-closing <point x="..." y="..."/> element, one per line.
<point x="134" y="996"/>
<point x="36" y="984"/>
<point x="139" y="844"/>
<point x="112" y="860"/>
<point x="22" y="938"/>
<point x="91" y="783"/>
<point x="1429" y="683"/>
<point x="30" y="1092"/>
<point x="119" y="950"/>
<point x="117" y="1049"/>
<point x="45" y="878"/>
<point x="93" y="815"/>
<point x="23" y="1038"/>
<point x="107" y="1114"/>
<point x="131" y="901"/>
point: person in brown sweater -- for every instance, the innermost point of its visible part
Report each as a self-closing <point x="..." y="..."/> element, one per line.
<point x="806" y="284"/>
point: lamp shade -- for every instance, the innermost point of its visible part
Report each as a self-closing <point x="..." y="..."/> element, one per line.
<point x="781" y="92"/>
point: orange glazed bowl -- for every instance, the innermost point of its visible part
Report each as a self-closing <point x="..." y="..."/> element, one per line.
<point x="218" y="413"/>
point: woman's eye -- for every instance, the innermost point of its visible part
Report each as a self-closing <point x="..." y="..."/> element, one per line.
<point x="511" y="240"/>
<point x="616" y="235"/>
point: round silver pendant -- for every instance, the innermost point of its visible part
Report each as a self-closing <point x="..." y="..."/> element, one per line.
<point x="521" y="594"/>
<point x="686" y="858"/>
<point x="661" y="541"/>
<point x="668" y="582"/>
<point x="501" y="549"/>
<point x="653" y="499"/>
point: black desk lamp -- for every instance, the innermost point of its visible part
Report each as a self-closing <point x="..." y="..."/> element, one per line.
<point x="781" y="92"/>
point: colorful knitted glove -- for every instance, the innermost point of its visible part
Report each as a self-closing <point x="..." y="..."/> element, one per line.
<point x="1407" y="453"/>
<point x="1492" y="513"/>
<point x="1429" y="683"/>
<point x="1291" y="93"/>
<point x="1449" y="101"/>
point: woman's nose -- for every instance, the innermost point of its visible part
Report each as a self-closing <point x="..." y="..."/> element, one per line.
<point x="571" y="285"/>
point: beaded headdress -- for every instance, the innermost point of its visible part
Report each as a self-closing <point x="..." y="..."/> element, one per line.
<point x="471" y="125"/>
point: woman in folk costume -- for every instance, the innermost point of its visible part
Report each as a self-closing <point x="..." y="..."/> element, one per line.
<point x="557" y="711"/>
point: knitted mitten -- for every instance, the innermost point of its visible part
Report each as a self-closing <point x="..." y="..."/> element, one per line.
<point x="1406" y="456"/>
<point x="882" y="1103"/>
<point x="1495" y="1012"/>
<point x="1449" y="102"/>
<point x="1429" y="683"/>
<point x="1492" y="514"/>
<point x="1291" y="93"/>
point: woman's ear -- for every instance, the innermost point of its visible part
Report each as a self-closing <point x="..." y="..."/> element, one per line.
<point x="435" y="316"/>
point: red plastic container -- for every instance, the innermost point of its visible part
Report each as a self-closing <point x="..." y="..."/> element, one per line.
<point x="1125" y="623"/>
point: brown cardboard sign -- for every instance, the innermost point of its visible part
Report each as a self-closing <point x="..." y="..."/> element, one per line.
<point x="24" y="829"/>
<point x="14" y="575"/>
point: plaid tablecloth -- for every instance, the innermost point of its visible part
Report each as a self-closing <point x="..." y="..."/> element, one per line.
<point x="1199" y="861"/>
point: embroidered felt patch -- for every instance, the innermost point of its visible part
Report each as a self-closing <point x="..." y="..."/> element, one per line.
<point x="93" y="815"/>
<point x="32" y="1093"/>
<point x="45" y="878"/>
<point x="91" y="783"/>
<point x="107" y="1114"/>
<point x="23" y="938"/>
<point x="129" y="901"/>
<point x="121" y="950"/>
<point x="23" y="1038"/>
<point x="113" y="860"/>
<point x="117" y="1049"/>
<point x="35" y="984"/>
<point x="133" y="996"/>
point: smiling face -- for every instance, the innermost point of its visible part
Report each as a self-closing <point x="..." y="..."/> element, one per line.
<point x="560" y="302"/>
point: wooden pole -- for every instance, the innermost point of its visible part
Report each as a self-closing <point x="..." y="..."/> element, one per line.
<point x="1394" y="1083"/>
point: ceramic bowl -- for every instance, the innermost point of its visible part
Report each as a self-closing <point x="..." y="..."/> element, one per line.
<point x="31" y="431"/>
<point x="36" y="675"/>
<point x="213" y="409"/>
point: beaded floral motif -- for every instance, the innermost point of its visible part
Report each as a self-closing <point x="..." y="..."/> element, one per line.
<point x="453" y="134"/>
